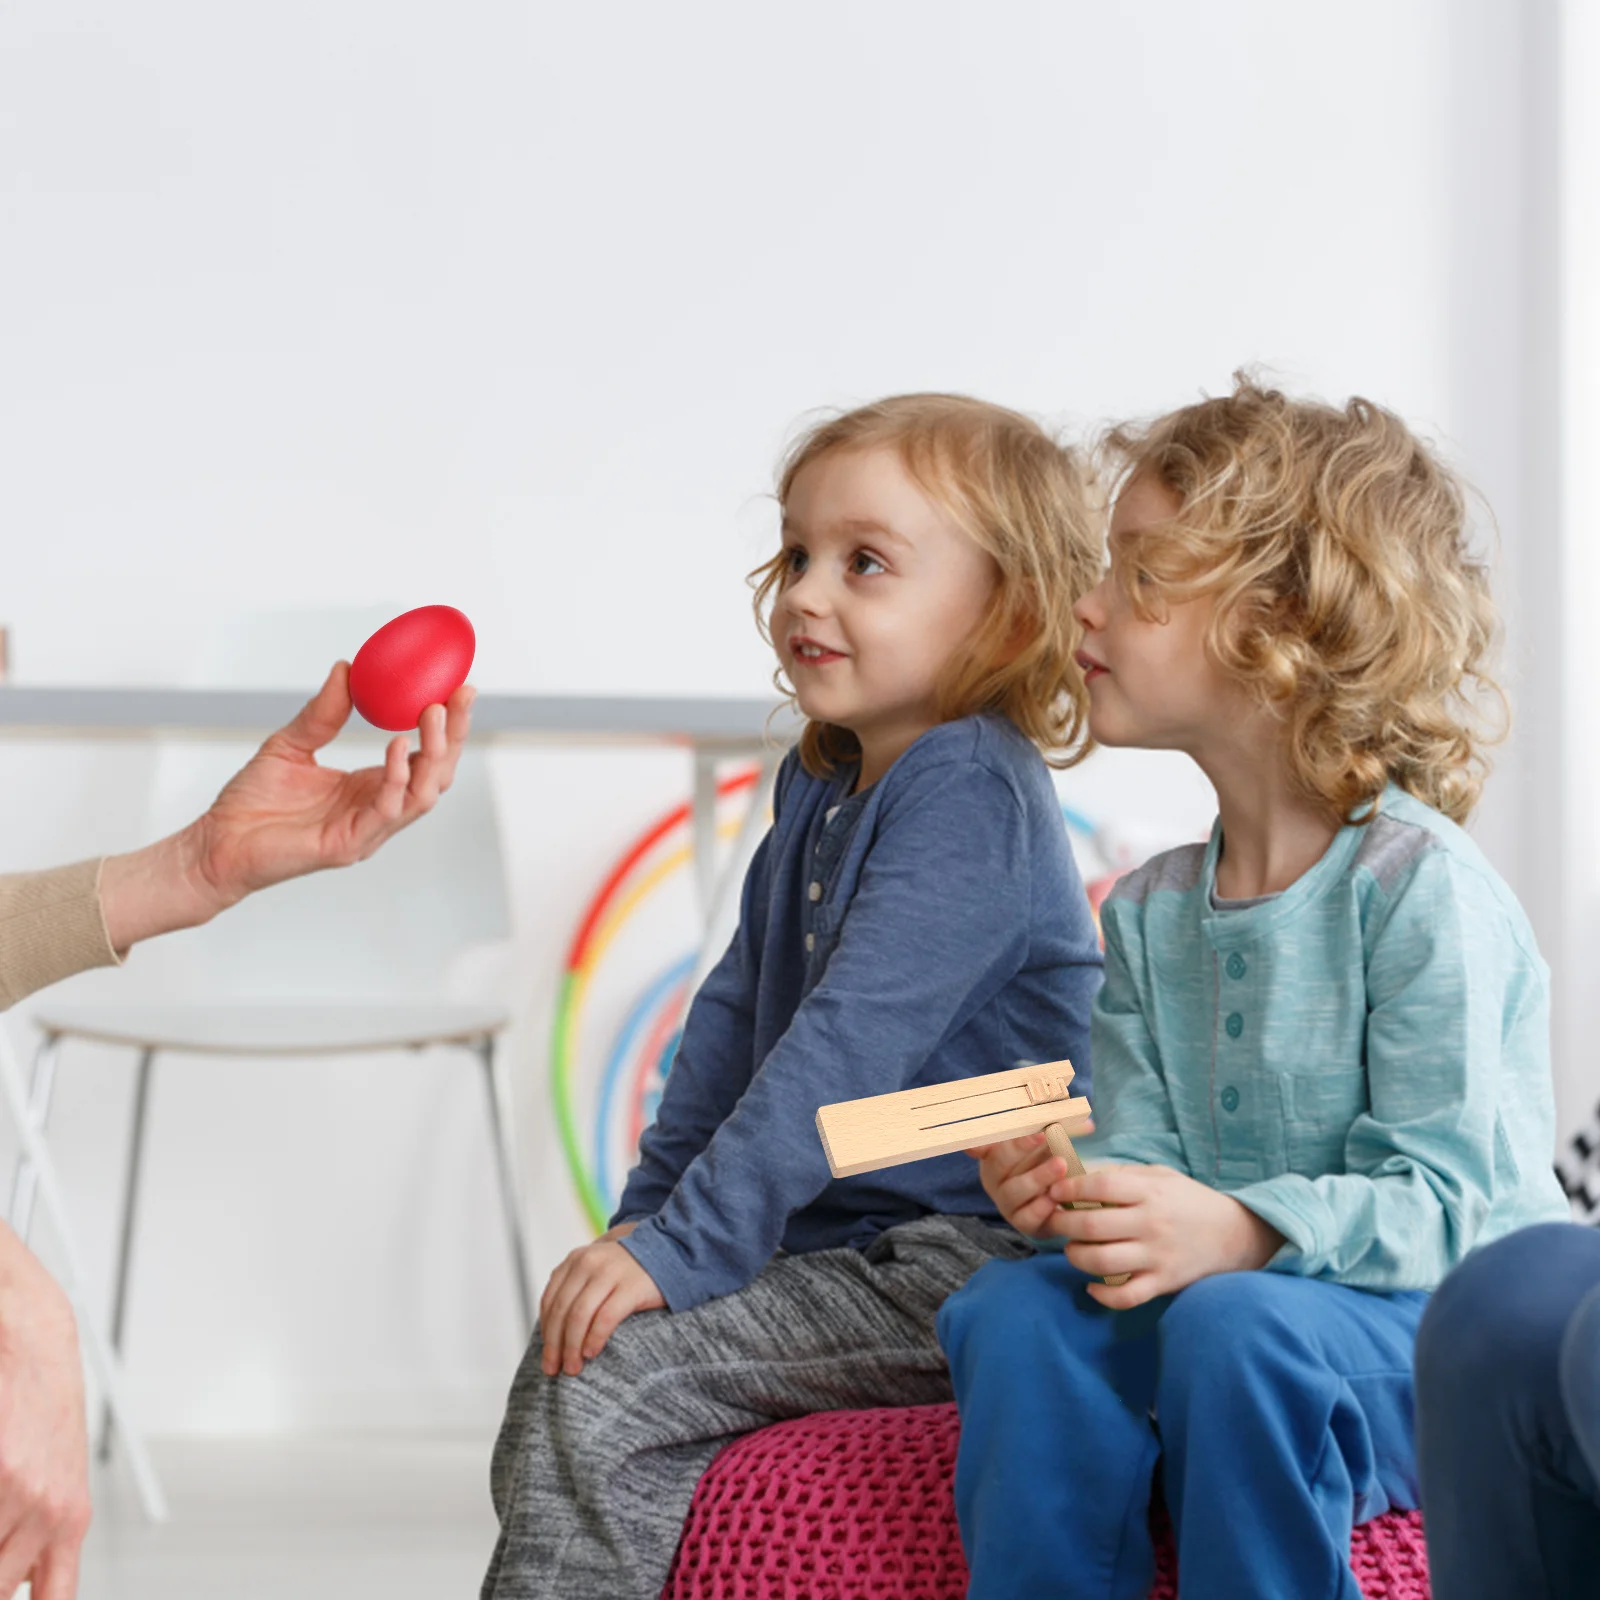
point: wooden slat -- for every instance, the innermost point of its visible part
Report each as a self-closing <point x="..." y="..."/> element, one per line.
<point x="885" y="1130"/>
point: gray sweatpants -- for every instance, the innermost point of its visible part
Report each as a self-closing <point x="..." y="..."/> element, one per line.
<point x="592" y="1476"/>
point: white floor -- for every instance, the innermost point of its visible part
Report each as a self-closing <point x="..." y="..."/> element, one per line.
<point x="302" y="1519"/>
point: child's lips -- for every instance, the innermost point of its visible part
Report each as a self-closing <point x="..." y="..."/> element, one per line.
<point x="808" y="653"/>
<point x="1092" y="669"/>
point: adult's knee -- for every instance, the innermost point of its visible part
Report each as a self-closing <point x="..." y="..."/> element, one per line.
<point x="1580" y="1377"/>
<point x="1504" y="1310"/>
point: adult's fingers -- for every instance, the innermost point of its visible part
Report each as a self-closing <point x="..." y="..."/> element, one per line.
<point x="19" y="1553"/>
<point x="375" y="819"/>
<point x="423" y="791"/>
<point x="444" y="730"/>
<point x="55" y="1574"/>
<point x="323" y="715"/>
<point x="457" y="724"/>
<point x="427" y="764"/>
<point x="458" y="713"/>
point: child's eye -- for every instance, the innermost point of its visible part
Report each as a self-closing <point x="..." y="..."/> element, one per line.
<point x="864" y="564"/>
<point x="794" y="561"/>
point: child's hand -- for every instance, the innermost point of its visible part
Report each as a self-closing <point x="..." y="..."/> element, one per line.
<point x="1017" y="1175"/>
<point x="1166" y="1229"/>
<point x="588" y="1296"/>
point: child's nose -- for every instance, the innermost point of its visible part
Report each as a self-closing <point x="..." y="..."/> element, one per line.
<point x="805" y="593"/>
<point x="1090" y="608"/>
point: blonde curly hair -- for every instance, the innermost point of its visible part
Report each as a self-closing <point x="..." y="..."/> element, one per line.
<point x="1024" y="498"/>
<point x="1335" y="543"/>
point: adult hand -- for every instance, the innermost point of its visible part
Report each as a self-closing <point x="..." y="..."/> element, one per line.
<point x="1164" y="1228"/>
<point x="44" y="1449"/>
<point x="588" y="1297"/>
<point x="282" y="815"/>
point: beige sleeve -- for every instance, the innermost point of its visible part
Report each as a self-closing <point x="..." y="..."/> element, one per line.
<point x="51" y="926"/>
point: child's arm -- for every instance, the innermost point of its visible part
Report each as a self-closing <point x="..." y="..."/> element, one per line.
<point x="938" y="924"/>
<point x="1132" y="1110"/>
<point x="1158" y="1229"/>
<point x="1458" y="1097"/>
<point x="710" y="1069"/>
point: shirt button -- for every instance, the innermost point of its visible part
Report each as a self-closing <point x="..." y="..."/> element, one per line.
<point x="815" y="891"/>
<point x="811" y="941"/>
<point x="1230" y="1099"/>
<point x="1236" y="966"/>
<point x="1234" y="1025"/>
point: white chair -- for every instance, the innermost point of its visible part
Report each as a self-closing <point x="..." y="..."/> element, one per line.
<point x="338" y="962"/>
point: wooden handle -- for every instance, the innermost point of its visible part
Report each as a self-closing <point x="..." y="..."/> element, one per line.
<point x="1060" y="1145"/>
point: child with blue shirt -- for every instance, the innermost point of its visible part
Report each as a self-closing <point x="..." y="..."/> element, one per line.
<point x="913" y="916"/>
<point x="1321" y="1055"/>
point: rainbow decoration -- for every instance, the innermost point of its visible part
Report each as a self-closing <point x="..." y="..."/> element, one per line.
<point x="641" y="1055"/>
<point x="649" y="1036"/>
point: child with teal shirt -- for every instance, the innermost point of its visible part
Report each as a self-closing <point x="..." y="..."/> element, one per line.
<point x="1321" y="1050"/>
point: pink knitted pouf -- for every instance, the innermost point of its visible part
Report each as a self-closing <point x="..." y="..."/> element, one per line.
<point x="856" y="1505"/>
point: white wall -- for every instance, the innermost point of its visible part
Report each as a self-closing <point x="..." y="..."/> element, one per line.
<point x="513" y="306"/>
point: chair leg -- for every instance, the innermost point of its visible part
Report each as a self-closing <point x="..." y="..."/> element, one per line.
<point x="505" y="1160"/>
<point x="40" y="1095"/>
<point x="130" y="1212"/>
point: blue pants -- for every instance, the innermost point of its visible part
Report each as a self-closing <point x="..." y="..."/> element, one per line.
<point x="1284" y="1411"/>
<point x="1508" y="1419"/>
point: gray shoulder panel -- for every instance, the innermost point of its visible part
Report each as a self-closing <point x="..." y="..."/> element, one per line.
<point x="1178" y="870"/>
<point x="1389" y="847"/>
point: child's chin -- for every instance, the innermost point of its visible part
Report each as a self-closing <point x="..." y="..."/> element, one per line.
<point x="817" y="708"/>
<point x="1110" y="734"/>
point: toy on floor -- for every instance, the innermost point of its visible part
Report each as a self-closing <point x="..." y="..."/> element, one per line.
<point x="883" y="1130"/>
<point x="418" y="660"/>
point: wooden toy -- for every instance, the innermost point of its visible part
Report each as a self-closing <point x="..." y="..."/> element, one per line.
<point x="884" y="1130"/>
<point x="418" y="660"/>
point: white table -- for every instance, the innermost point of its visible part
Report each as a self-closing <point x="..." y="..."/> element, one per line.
<point x="711" y="730"/>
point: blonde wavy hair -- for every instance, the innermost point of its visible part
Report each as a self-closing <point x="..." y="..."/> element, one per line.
<point x="1335" y="543"/>
<point x="1021" y="496"/>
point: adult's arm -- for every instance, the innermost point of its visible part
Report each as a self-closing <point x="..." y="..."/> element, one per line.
<point x="280" y="817"/>
<point x="50" y="927"/>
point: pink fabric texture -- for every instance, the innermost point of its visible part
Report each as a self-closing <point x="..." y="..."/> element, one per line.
<point x="856" y="1505"/>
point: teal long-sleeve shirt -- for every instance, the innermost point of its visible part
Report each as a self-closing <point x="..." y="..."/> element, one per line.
<point x="1363" y="1060"/>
